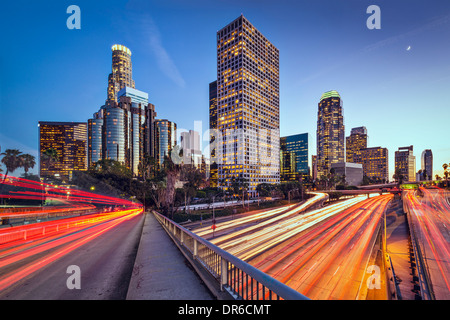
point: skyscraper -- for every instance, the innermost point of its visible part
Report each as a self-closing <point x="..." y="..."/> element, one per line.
<point x="330" y="132"/>
<point x="405" y="161"/>
<point x="166" y="137"/>
<point x="126" y="120"/>
<point x="294" y="156"/>
<point x="356" y="142"/>
<point x="190" y="144"/>
<point x="95" y="127"/>
<point x="213" y="175"/>
<point x="375" y="163"/>
<point x="122" y="71"/>
<point x="427" y="164"/>
<point x="247" y="105"/>
<point x="69" y="139"/>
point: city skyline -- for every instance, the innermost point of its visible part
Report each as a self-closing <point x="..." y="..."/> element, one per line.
<point x="408" y="85"/>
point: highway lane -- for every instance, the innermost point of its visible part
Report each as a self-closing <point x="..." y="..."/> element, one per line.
<point x="253" y="240"/>
<point x="258" y="218"/>
<point x="104" y="252"/>
<point x="430" y="217"/>
<point x="329" y="260"/>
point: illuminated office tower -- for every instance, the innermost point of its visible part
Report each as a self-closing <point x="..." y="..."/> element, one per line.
<point x="294" y="157"/>
<point x="330" y="132"/>
<point x="247" y="106"/>
<point x="69" y="139"/>
<point x="135" y="103"/>
<point x="405" y="161"/>
<point x="213" y="167"/>
<point x="122" y="71"/>
<point x="150" y="147"/>
<point x="356" y="142"/>
<point x="314" y="167"/>
<point x="95" y="127"/>
<point x="427" y="165"/>
<point x="126" y="120"/>
<point x="166" y="138"/>
<point x="375" y="163"/>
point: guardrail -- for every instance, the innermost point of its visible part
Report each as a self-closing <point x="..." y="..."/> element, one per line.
<point x="426" y="288"/>
<point x="240" y="279"/>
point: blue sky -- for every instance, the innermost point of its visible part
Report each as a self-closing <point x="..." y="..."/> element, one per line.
<point x="51" y="73"/>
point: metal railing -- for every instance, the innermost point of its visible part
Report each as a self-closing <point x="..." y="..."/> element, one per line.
<point x="240" y="279"/>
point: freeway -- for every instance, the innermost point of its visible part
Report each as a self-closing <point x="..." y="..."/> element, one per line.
<point x="322" y="253"/>
<point x="102" y="246"/>
<point x="329" y="260"/>
<point x="430" y="217"/>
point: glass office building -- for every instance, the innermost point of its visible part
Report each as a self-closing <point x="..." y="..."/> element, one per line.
<point x="427" y="165"/>
<point x="213" y="177"/>
<point x="330" y="132"/>
<point x="356" y="142"/>
<point x="166" y="136"/>
<point x="122" y="71"/>
<point x="405" y="161"/>
<point x="126" y="120"/>
<point x="247" y="106"/>
<point x="69" y="139"/>
<point x="95" y="127"/>
<point x="294" y="155"/>
<point x="375" y="162"/>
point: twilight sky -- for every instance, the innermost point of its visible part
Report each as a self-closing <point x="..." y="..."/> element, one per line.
<point x="394" y="81"/>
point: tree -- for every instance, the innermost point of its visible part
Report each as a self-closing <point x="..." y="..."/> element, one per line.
<point x="28" y="161"/>
<point x="50" y="157"/>
<point x="445" y="166"/>
<point x="239" y="185"/>
<point x="172" y="174"/>
<point x="12" y="160"/>
<point x="398" y="176"/>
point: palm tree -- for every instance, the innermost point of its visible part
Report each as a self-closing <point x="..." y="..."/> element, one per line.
<point x="28" y="161"/>
<point x="12" y="160"/>
<point x="445" y="166"/>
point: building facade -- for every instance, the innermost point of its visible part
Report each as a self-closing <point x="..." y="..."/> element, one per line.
<point x="330" y="132"/>
<point x="166" y="137"/>
<point x="294" y="156"/>
<point x="427" y="165"/>
<point x="352" y="172"/>
<point x="124" y="128"/>
<point x="213" y="167"/>
<point x="121" y="75"/>
<point x="356" y="142"/>
<point x="375" y="162"/>
<point x="69" y="139"/>
<point x="247" y="106"/>
<point x="405" y="162"/>
<point x="190" y="144"/>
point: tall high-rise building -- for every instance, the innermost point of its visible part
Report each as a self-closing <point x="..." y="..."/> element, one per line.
<point x="190" y="144"/>
<point x="247" y="106"/>
<point x="166" y="137"/>
<point x="69" y="139"/>
<point x="294" y="156"/>
<point x="405" y="161"/>
<point x="150" y="147"/>
<point x="95" y="153"/>
<point x="124" y="127"/>
<point x="330" y="132"/>
<point x="375" y="163"/>
<point x="427" y="164"/>
<point x="213" y="167"/>
<point x="122" y="71"/>
<point x="356" y="142"/>
<point x="314" y="167"/>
